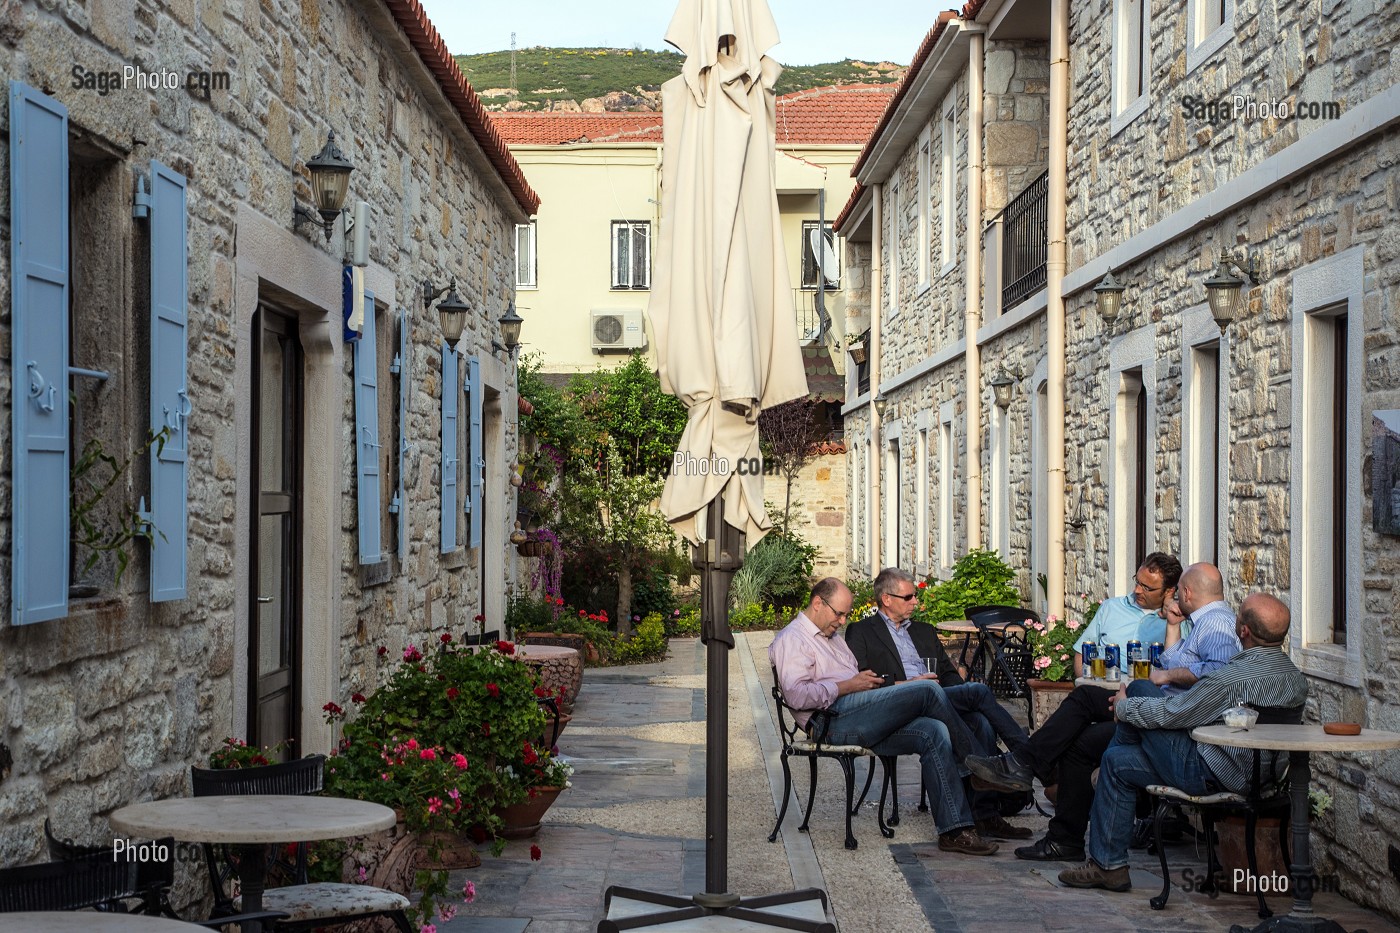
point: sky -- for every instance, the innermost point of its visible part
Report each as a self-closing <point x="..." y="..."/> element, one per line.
<point x="813" y="31"/>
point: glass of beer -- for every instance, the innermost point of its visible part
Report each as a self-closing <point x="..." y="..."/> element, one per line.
<point x="1099" y="668"/>
<point x="1142" y="669"/>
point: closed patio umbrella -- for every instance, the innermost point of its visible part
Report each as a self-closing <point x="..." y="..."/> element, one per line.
<point x="726" y="338"/>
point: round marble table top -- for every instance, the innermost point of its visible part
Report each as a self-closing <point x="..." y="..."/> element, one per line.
<point x="1304" y="738"/>
<point x="75" y="921"/>
<point x="971" y="628"/>
<point x="253" y="819"/>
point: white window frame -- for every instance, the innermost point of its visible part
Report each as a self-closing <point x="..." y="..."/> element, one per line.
<point x="858" y="495"/>
<point x="1132" y="46"/>
<point x="1205" y="417"/>
<point x="1204" y="35"/>
<point x="1132" y="351"/>
<point x="891" y="492"/>
<point x="923" y="172"/>
<point x="624" y="281"/>
<point x="531" y="237"/>
<point x="947" y="208"/>
<point x="947" y="457"/>
<point x="999" y="489"/>
<point x="867" y="532"/>
<point x="921" y="491"/>
<point x="1320" y="291"/>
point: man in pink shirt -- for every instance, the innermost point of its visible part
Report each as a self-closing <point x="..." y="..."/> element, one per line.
<point x="818" y="673"/>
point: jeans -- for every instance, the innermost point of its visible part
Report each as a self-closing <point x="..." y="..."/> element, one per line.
<point x="912" y="718"/>
<point x="1137" y="758"/>
<point x="977" y="704"/>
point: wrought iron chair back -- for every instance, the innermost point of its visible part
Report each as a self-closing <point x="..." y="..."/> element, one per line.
<point x="153" y="881"/>
<point x="90" y="880"/>
<point x="1003" y="659"/>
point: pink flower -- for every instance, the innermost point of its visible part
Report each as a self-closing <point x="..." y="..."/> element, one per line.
<point x="1072" y="625"/>
<point x="455" y="794"/>
<point x="411" y="745"/>
<point x="469" y="892"/>
<point x="1042" y="663"/>
<point x="434" y="805"/>
<point x="428" y="928"/>
<point x="446" y="912"/>
<point x="361" y="875"/>
<point x="459" y="761"/>
<point x="385" y="775"/>
<point x="428" y="754"/>
<point x="411" y="653"/>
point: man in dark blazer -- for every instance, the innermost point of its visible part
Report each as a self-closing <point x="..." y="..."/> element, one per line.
<point x="891" y="643"/>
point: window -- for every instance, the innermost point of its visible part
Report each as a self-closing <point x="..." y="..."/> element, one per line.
<point x="631" y="254"/>
<point x="1040" y="490"/>
<point x="1130" y="458"/>
<point x="997" y="517"/>
<point x="526" y="262"/>
<point x="1202" y="453"/>
<point x="890" y="492"/>
<point x="1131" y="59"/>
<point x="923" y="170"/>
<point x="1210" y="25"/>
<point x="921" y="502"/>
<point x="1326" y="485"/>
<point x="948" y="197"/>
<point x="857" y="505"/>
<point x="945" y="486"/>
<point x="830" y="261"/>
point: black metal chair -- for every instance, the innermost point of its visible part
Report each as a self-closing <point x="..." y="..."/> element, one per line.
<point x="1003" y="657"/>
<point x="91" y="880"/>
<point x="810" y="745"/>
<point x="307" y="905"/>
<point x="1262" y="798"/>
<point x="154" y="877"/>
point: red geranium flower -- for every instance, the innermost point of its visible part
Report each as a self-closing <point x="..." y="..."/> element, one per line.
<point x="357" y="698"/>
<point x="479" y="617"/>
<point x="445" y="638"/>
<point x="452" y="693"/>
<point x="494" y="690"/>
<point x="505" y="647"/>
<point x="535" y="853"/>
<point x="381" y="651"/>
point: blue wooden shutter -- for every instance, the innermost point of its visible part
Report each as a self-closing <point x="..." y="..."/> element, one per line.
<point x="170" y="401"/>
<point x="478" y="458"/>
<point x="39" y="349"/>
<point x="399" y="505"/>
<point x="367" y="437"/>
<point x="449" y="448"/>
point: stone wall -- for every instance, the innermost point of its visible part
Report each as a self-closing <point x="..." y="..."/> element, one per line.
<point x="116" y="701"/>
<point x="1016" y="100"/>
<point x="819" y="506"/>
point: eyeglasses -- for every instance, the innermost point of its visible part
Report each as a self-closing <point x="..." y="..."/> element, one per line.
<point x="838" y="613"/>
<point x="1139" y="585"/>
<point x="904" y="596"/>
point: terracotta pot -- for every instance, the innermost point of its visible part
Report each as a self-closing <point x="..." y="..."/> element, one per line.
<point x="1234" y="862"/>
<point x="453" y="851"/>
<point x="522" y="820"/>
<point x="563" y="720"/>
<point x="1046" y="697"/>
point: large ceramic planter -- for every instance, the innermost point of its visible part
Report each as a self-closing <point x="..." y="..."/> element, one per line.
<point x="1046" y="697"/>
<point x="522" y="820"/>
<point x="1234" y="861"/>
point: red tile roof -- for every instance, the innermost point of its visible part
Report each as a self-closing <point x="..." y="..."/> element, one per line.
<point x="432" y="50"/>
<point x="526" y="128"/>
<point x="833" y="115"/>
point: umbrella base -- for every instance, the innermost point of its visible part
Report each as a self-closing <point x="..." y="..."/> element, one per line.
<point x="631" y="909"/>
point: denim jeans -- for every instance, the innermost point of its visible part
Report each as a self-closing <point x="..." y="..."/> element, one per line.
<point x="976" y="701"/>
<point x="1135" y="759"/>
<point x="910" y="719"/>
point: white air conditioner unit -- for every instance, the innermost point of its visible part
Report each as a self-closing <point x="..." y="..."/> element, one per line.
<point x="623" y="329"/>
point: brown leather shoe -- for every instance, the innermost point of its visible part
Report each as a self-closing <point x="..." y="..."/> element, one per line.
<point x="1090" y="875"/>
<point x="967" y="842"/>
<point x="998" y="828"/>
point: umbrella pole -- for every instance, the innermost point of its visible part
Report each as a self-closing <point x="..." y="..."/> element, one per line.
<point x="717" y="558"/>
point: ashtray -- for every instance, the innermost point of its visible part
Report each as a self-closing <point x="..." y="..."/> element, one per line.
<point x="1342" y="728"/>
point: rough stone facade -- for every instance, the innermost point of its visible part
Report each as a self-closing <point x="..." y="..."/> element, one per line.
<point x="1166" y="191"/>
<point x="819" y="505"/>
<point x="114" y="702"/>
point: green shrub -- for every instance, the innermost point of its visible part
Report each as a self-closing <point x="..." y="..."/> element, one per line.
<point x="684" y="622"/>
<point x="778" y="570"/>
<point x="526" y="612"/>
<point x="862" y="591"/>
<point x="980" y="578"/>
<point x="648" y="643"/>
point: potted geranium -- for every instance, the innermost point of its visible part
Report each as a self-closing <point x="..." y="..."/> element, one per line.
<point x="543" y="777"/>
<point x="1051" y="646"/>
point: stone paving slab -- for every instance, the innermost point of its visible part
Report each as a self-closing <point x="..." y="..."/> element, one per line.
<point x="635" y="817"/>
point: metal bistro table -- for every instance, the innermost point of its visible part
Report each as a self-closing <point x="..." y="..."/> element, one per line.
<point x="90" y="921"/>
<point x="252" y="823"/>
<point x="1299" y="742"/>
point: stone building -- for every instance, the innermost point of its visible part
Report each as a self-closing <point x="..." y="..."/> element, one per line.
<point x="1164" y="135"/>
<point x="316" y="490"/>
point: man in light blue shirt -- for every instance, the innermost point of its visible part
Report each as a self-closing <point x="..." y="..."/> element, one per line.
<point x="1132" y="617"/>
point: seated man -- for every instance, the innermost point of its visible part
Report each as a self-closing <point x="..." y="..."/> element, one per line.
<point x="818" y="672"/>
<point x="1154" y="744"/>
<point x="1077" y="733"/>
<point x="890" y="643"/>
<point x="1210" y="642"/>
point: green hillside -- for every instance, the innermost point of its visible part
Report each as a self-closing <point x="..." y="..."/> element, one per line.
<point x="553" y="75"/>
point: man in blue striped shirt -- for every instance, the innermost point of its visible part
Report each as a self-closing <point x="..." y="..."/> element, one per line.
<point x="1211" y="642"/>
<point x="1154" y="744"/>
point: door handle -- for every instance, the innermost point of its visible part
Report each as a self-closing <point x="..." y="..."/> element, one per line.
<point x="264" y="599"/>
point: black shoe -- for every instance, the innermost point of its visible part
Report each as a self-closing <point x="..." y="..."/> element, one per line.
<point x="1047" y="850"/>
<point x="1002" y="772"/>
<point x="997" y="828"/>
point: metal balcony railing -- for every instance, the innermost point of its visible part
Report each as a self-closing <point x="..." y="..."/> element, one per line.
<point x="809" y="319"/>
<point x="1023" y="243"/>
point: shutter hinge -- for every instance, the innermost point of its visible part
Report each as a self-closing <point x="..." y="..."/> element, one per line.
<point x="397" y="366"/>
<point x="394" y="506"/>
<point x="141" y="201"/>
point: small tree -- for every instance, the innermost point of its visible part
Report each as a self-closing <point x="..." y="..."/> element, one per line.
<point x="787" y="434"/>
